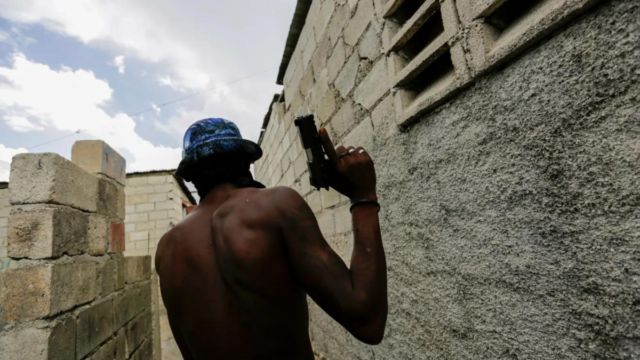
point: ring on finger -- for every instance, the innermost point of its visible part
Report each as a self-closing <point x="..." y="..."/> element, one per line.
<point x="351" y="150"/>
<point x="362" y="151"/>
<point x="345" y="154"/>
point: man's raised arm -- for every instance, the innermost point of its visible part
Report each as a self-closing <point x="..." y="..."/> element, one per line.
<point x="356" y="297"/>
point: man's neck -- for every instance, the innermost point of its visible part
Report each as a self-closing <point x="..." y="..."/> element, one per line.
<point x="218" y="194"/>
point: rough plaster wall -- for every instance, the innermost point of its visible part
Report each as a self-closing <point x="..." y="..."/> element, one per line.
<point x="510" y="215"/>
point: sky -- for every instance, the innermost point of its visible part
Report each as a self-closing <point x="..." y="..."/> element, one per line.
<point x="105" y="69"/>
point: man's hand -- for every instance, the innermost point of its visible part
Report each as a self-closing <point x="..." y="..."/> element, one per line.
<point x="352" y="172"/>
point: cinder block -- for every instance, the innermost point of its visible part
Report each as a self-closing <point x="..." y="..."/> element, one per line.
<point x="358" y="24"/>
<point x="138" y="329"/>
<point x="98" y="234"/>
<point x="40" y="232"/>
<point x="51" y="179"/>
<point x="361" y="136"/>
<point x="509" y="32"/>
<point x="121" y="271"/>
<point x="95" y="325"/>
<point x="329" y="198"/>
<point x="326" y="223"/>
<point x="121" y="345"/>
<point x="156" y="180"/>
<point x="313" y="199"/>
<point x="338" y="21"/>
<point x="53" y="341"/>
<point x="144" y="352"/>
<point x="138" y="269"/>
<point x="374" y="85"/>
<point x="97" y="157"/>
<point x="30" y="293"/>
<point x="344" y="119"/>
<point x="105" y="352"/>
<point x="109" y="277"/>
<point x="342" y="219"/>
<point x="346" y="80"/>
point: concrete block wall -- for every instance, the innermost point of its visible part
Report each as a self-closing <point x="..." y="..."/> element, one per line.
<point x="72" y="294"/>
<point x="4" y="220"/>
<point x="154" y="204"/>
<point x="507" y="171"/>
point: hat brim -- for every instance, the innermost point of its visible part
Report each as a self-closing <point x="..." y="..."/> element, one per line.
<point x="219" y="149"/>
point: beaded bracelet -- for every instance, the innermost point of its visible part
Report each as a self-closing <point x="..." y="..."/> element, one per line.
<point x="364" y="201"/>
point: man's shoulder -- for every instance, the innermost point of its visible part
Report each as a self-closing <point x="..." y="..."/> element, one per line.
<point x="280" y="196"/>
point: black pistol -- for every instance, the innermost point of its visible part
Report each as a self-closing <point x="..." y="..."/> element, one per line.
<point x="316" y="160"/>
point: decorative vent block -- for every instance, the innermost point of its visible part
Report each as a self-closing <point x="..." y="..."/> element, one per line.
<point x="502" y="29"/>
<point x="425" y="58"/>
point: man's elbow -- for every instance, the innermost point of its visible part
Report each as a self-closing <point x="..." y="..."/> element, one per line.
<point x="370" y="334"/>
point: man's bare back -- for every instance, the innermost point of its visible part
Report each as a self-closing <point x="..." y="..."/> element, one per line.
<point x="236" y="272"/>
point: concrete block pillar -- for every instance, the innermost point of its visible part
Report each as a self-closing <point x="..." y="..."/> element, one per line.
<point x="73" y="295"/>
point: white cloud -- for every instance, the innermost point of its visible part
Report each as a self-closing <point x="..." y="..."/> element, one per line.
<point x="5" y="160"/>
<point x="21" y="124"/>
<point x="69" y="100"/>
<point x="156" y="108"/>
<point x="118" y="62"/>
<point x="165" y="80"/>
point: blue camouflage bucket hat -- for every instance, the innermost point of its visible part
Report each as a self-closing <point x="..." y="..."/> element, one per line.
<point x="210" y="138"/>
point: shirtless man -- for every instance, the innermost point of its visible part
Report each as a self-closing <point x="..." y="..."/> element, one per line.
<point x="236" y="272"/>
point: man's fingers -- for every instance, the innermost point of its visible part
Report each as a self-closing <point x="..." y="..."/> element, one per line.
<point x="328" y="145"/>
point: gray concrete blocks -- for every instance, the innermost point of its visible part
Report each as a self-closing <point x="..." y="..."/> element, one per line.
<point x="355" y="28"/>
<point x="51" y="179"/>
<point x="97" y="157"/>
<point x="138" y="269"/>
<point x="95" y="325"/>
<point x="98" y="234"/>
<point x="344" y="119"/>
<point x="346" y="80"/>
<point x="138" y="329"/>
<point x="374" y="85"/>
<point x="50" y="341"/>
<point x="45" y="231"/>
<point x="51" y="289"/>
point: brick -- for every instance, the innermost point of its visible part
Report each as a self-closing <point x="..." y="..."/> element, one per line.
<point x="139" y="235"/>
<point x="326" y="107"/>
<point x="121" y="345"/>
<point x="320" y="57"/>
<point x="121" y="271"/>
<point x="320" y="89"/>
<point x="97" y="157"/>
<point x="361" y="136"/>
<point x="55" y="341"/>
<point x="108" y="277"/>
<point x="336" y="62"/>
<point x="40" y="232"/>
<point x="313" y="199"/>
<point x="105" y="352"/>
<point x="358" y="24"/>
<point x="108" y="200"/>
<point x="300" y="165"/>
<point x="159" y="215"/>
<point x="341" y="16"/>
<point x="144" y="352"/>
<point x="374" y="85"/>
<point x="130" y="303"/>
<point x="346" y="80"/>
<point x="325" y="221"/>
<point x="344" y="119"/>
<point x="137" y="199"/>
<point x="137" y="217"/>
<point x="158" y="197"/>
<point x="163" y="188"/>
<point x="308" y="51"/>
<point x="323" y="17"/>
<point x="138" y="269"/>
<point x="145" y="190"/>
<point x="51" y="290"/>
<point x="329" y="198"/>
<point x="146" y="225"/>
<point x="51" y="179"/>
<point x="145" y="207"/>
<point x="137" y="181"/>
<point x="342" y="219"/>
<point x="156" y="180"/>
<point x="98" y="231"/>
<point x="306" y="83"/>
<point x="116" y="237"/>
<point x="95" y="325"/>
<point x="164" y="205"/>
<point x="138" y="329"/>
<point x="129" y="228"/>
<point x="370" y="46"/>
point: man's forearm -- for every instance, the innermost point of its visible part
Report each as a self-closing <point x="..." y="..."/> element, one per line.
<point x="368" y="264"/>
